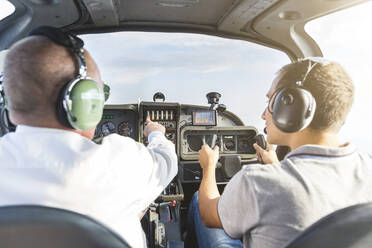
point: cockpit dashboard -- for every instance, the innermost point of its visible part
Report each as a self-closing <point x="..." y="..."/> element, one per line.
<point x="188" y="127"/>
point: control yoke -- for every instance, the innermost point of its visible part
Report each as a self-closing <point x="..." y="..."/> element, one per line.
<point x="230" y="165"/>
<point x="260" y="139"/>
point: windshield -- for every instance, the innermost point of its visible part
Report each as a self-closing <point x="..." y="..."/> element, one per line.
<point x="6" y="9"/>
<point x="346" y="38"/>
<point x="185" y="67"/>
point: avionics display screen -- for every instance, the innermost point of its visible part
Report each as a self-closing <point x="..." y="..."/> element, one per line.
<point x="204" y="118"/>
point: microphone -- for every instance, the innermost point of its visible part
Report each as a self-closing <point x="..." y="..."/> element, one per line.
<point x="265" y="130"/>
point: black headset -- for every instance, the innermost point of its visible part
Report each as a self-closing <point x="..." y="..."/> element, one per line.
<point x="293" y="107"/>
<point x="81" y="100"/>
<point x="6" y="125"/>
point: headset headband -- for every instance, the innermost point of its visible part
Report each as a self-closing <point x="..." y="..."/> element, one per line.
<point x="69" y="40"/>
<point x="1" y="88"/>
<point x="313" y="61"/>
<point x="58" y="36"/>
<point x="292" y="105"/>
<point x="65" y="39"/>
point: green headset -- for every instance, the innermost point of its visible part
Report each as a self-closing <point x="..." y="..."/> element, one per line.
<point x="81" y="100"/>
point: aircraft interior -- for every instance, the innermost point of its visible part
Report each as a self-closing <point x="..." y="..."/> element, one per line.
<point x="188" y="127"/>
<point x="277" y="24"/>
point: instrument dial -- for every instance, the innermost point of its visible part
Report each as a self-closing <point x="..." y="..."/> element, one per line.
<point x="230" y="145"/>
<point x="107" y="128"/>
<point x="195" y="142"/>
<point x="125" y="129"/>
<point x="243" y="144"/>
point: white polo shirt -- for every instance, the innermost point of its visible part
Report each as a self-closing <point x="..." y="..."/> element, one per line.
<point x="112" y="182"/>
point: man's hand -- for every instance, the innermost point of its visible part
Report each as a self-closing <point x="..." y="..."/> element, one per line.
<point x="208" y="157"/>
<point x="267" y="156"/>
<point x="152" y="126"/>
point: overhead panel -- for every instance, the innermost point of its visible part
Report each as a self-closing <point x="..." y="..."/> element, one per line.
<point x="103" y="13"/>
<point x="49" y="12"/>
<point x="285" y="23"/>
<point x="240" y="17"/>
<point x="200" y="12"/>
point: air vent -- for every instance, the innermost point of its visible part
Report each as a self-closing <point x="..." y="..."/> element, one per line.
<point x="180" y="1"/>
<point x="177" y="3"/>
<point x="45" y="2"/>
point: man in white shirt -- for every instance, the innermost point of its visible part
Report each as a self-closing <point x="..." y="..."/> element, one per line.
<point x="46" y="163"/>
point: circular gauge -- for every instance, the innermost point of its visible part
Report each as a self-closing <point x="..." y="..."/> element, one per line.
<point x="125" y="129"/>
<point x="107" y="128"/>
<point x="243" y="144"/>
<point x="195" y="142"/>
<point x="230" y="145"/>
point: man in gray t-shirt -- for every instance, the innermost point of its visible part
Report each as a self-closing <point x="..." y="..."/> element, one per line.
<point x="266" y="205"/>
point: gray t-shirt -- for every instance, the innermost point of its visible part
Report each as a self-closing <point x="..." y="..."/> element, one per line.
<point x="268" y="205"/>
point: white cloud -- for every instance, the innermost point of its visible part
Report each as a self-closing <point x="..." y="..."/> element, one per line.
<point x="2" y="59"/>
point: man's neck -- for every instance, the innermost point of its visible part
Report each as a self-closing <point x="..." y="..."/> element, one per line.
<point x="309" y="136"/>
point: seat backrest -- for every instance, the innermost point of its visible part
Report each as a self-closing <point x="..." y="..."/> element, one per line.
<point x="350" y="227"/>
<point x="46" y="227"/>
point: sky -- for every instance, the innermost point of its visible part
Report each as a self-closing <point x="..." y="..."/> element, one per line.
<point x="185" y="67"/>
<point x="345" y="37"/>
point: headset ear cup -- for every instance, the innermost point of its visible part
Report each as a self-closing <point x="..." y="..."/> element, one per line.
<point x="61" y="111"/>
<point x="87" y="102"/>
<point x="293" y="109"/>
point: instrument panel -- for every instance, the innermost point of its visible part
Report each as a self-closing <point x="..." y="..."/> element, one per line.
<point x="122" y="120"/>
<point x="184" y="128"/>
<point x="236" y="140"/>
<point x="166" y="114"/>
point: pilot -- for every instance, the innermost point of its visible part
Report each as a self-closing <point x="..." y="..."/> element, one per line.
<point x="267" y="205"/>
<point x="51" y="159"/>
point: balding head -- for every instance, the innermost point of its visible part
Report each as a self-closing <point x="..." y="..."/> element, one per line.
<point x="35" y="71"/>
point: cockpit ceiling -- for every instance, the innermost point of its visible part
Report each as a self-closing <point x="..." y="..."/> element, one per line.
<point x="179" y="11"/>
<point x="274" y="23"/>
<point x="210" y="13"/>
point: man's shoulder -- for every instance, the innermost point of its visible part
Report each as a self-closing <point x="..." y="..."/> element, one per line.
<point x="257" y="169"/>
<point x="114" y="142"/>
<point x="264" y="173"/>
<point x="115" y="139"/>
<point x="367" y="157"/>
